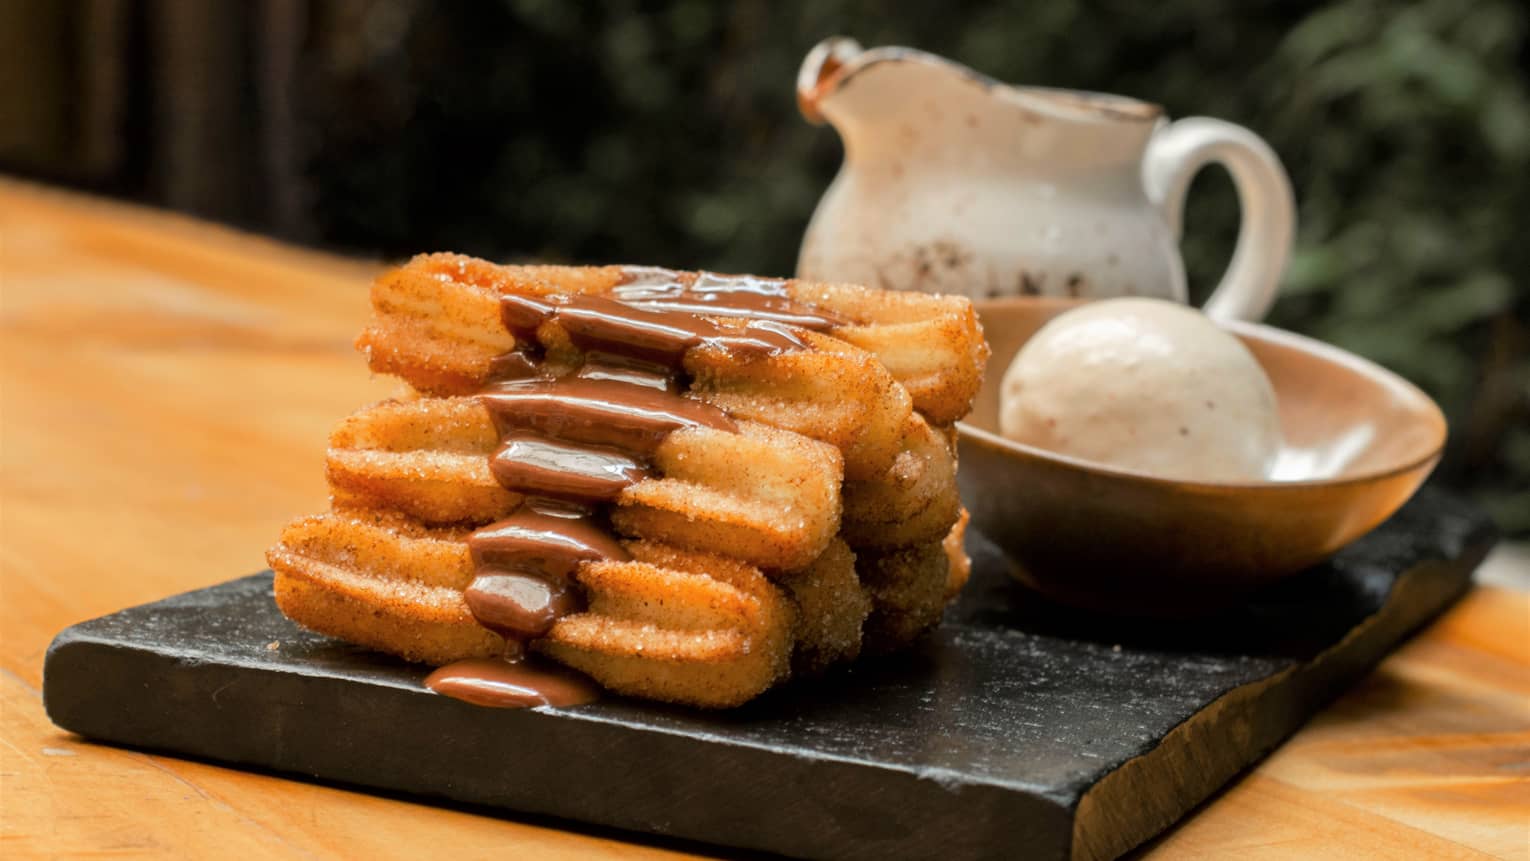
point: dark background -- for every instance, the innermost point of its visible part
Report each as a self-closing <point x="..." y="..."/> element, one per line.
<point x="666" y="132"/>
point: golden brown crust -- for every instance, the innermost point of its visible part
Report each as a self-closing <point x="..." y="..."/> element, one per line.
<point x="427" y="458"/>
<point x="679" y="626"/>
<point x="955" y="544"/>
<point x="672" y="624"/>
<point x="916" y="500"/>
<point x="834" y="392"/>
<point x="910" y="586"/>
<point x="908" y="593"/>
<point x="767" y="496"/>
<point x="753" y="556"/>
<point x="831" y="609"/>
<point x="380" y="580"/>
<point x="770" y="496"/>
<point x="933" y="345"/>
<point x="436" y="324"/>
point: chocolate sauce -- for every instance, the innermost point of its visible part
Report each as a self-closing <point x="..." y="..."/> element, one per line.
<point x="501" y="684"/>
<point x="514" y="365"/>
<point x="623" y="415"/>
<point x="662" y="337"/>
<point x="650" y="276"/>
<point x="522" y="584"/>
<point x="602" y="366"/>
<point x="519" y="605"/>
<point x="544" y="540"/>
<point x="582" y="439"/>
<point x="577" y="441"/>
<point x="575" y="473"/>
<point x="573" y="442"/>
<point x="716" y="295"/>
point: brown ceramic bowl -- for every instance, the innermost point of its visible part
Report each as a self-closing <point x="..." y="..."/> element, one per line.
<point x="1358" y="442"/>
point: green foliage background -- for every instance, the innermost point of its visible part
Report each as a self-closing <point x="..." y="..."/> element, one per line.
<point x="667" y="133"/>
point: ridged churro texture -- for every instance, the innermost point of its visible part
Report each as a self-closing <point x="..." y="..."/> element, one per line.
<point x="832" y="607"/>
<point x="914" y="501"/>
<point x="771" y="497"/>
<point x="671" y="624"/>
<point x="436" y="323"/>
<point x="822" y="525"/>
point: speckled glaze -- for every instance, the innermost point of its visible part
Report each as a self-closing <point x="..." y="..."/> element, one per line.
<point x="1357" y="442"/>
<point x="956" y="183"/>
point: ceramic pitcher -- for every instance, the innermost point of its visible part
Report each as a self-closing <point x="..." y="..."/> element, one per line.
<point x="956" y="183"/>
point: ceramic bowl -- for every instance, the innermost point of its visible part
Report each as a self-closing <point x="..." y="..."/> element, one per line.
<point x="1359" y="440"/>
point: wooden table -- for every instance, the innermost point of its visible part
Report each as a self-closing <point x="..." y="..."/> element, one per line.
<point x="165" y="389"/>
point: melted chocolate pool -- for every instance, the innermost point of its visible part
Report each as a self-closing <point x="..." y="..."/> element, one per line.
<point x="505" y="685"/>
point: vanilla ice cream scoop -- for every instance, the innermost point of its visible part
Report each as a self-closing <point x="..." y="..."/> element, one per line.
<point x="1145" y="384"/>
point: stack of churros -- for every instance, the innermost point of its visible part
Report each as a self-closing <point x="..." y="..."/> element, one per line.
<point x="687" y="486"/>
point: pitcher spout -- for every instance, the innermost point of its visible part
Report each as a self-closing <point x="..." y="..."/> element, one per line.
<point x="821" y="72"/>
<point x="882" y="99"/>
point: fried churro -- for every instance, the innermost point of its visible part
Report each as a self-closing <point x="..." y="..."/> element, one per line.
<point x="686" y="486"/>
<point x="663" y="622"/>
<point x="439" y="322"/>
<point x="771" y="497"/>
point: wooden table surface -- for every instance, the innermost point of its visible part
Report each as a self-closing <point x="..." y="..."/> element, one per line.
<point x="165" y="390"/>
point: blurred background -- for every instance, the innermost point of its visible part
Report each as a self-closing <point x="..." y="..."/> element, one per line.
<point x="667" y="132"/>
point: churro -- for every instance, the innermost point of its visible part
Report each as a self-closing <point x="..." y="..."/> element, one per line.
<point x="686" y="486"/>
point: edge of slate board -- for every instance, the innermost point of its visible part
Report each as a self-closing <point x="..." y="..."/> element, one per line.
<point x="1192" y="752"/>
<point x="289" y="718"/>
<point x="321" y="735"/>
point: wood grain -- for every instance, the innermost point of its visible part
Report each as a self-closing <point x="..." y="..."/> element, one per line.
<point x="165" y="387"/>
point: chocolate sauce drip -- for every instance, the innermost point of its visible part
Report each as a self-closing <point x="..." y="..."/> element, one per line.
<point x="603" y="366"/>
<point x="616" y="413"/>
<point x="582" y="439"/>
<point x="574" y="442"/>
<point x="522" y="584"/>
<point x="534" y="466"/>
<point x="662" y="337"/>
<point x="544" y="540"/>
<point x="518" y="605"/>
<point x="716" y="295"/>
<point x="514" y="365"/>
<point x="650" y="276"/>
<point x="499" y="684"/>
<point x="577" y="441"/>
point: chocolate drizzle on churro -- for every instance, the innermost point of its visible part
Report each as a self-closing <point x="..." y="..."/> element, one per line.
<point x="524" y="565"/>
<point x="599" y="324"/>
<point x="710" y="294"/>
<point x="572" y="442"/>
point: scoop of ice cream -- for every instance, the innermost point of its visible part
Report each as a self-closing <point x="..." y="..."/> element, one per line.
<point x="1145" y="384"/>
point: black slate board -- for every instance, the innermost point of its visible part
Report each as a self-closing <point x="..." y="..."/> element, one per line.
<point x="1017" y="730"/>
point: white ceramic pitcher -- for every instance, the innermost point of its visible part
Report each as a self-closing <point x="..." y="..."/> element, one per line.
<point x="956" y="183"/>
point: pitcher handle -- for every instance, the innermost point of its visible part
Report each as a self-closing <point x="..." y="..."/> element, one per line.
<point x="1268" y="208"/>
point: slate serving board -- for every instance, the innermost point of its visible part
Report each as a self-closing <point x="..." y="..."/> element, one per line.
<point x="1018" y="729"/>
